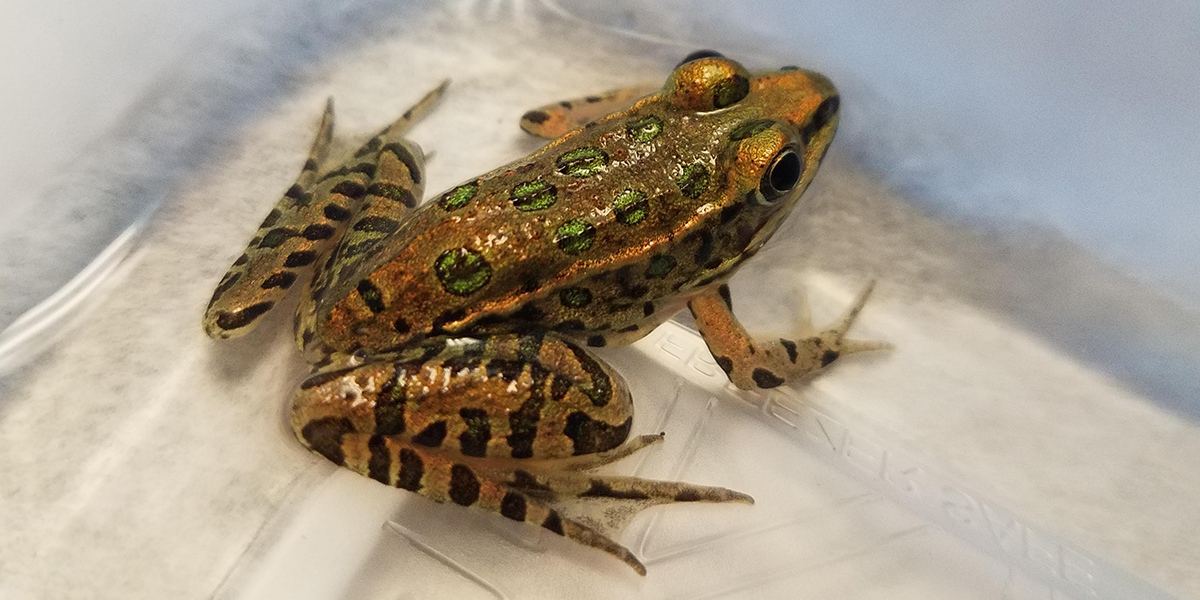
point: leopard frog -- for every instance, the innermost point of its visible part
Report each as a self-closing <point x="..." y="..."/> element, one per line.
<point x="450" y="339"/>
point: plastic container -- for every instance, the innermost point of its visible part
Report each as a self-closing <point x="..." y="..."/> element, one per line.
<point x="1013" y="446"/>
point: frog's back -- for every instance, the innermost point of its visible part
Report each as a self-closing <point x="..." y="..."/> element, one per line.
<point x="604" y="229"/>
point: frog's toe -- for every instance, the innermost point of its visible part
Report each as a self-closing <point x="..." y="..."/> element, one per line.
<point x="839" y="328"/>
<point x="855" y="346"/>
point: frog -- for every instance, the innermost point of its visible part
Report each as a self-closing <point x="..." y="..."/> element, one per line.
<point x="450" y="341"/>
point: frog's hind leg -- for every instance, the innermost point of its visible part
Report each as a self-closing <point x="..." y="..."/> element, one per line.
<point x="553" y="120"/>
<point x="506" y="424"/>
<point x="395" y="188"/>
<point x="256" y="280"/>
<point x="534" y="497"/>
<point x="310" y="217"/>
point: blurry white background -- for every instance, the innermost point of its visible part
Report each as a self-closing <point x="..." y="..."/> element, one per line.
<point x="1083" y="115"/>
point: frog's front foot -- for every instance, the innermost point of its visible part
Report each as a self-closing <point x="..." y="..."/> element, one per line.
<point x="754" y="364"/>
<point x="829" y="345"/>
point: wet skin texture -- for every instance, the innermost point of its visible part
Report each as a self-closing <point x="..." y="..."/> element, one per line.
<point x="449" y="339"/>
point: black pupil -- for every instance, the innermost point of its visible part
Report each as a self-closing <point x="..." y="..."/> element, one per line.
<point x="785" y="173"/>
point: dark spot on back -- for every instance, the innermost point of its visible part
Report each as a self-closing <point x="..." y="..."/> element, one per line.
<point x="394" y="193"/>
<point x="401" y="325"/>
<point x="300" y="258"/>
<point x="571" y="325"/>
<point x="276" y="237"/>
<point x="725" y="363"/>
<point x="295" y="192"/>
<point x="828" y="357"/>
<point x="272" y="217"/>
<point x="766" y="379"/>
<point x="336" y="212"/>
<point x="377" y="224"/>
<point x="349" y="189"/>
<point x="403" y="155"/>
<point x="371" y="295"/>
<point x="412" y="468"/>
<point x="600" y="489"/>
<point x="474" y="440"/>
<point x="317" y="232"/>
<point x="464" y="486"/>
<point x="432" y="435"/>
<point x="590" y="436"/>
<point x="389" y="409"/>
<point x="241" y="318"/>
<point x="379" y="467"/>
<point x="537" y="117"/>
<point x="790" y="346"/>
<point x="513" y="506"/>
<point x="325" y="437"/>
<point x="282" y="279"/>
<point x="553" y="522"/>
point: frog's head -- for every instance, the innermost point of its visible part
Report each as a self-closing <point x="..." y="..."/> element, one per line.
<point x="770" y="131"/>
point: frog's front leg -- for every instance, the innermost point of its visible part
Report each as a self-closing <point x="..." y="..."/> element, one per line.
<point x="553" y="120"/>
<point x="750" y="364"/>
<point x="505" y="424"/>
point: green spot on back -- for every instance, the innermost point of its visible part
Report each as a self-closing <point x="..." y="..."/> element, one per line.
<point x="575" y="236"/>
<point x="462" y="271"/>
<point x="631" y="207"/>
<point x="693" y="180"/>
<point x="575" y="297"/>
<point x="533" y="195"/>
<point x="459" y="196"/>
<point x="582" y="162"/>
<point x="645" y="128"/>
<point x="660" y="265"/>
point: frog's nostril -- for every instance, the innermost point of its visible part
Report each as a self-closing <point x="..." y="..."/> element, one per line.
<point x="697" y="55"/>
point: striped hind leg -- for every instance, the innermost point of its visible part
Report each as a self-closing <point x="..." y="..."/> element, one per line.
<point x="516" y="494"/>
<point x="305" y="223"/>
<point x="506" y="424"/>
<point x="395" y="188"/>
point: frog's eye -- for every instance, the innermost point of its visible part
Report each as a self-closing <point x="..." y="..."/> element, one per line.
<point x="781" y="177"/>
<point x="707" y="83"/>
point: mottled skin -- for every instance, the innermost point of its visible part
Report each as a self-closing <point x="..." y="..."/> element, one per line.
<point x="448" y="338"/>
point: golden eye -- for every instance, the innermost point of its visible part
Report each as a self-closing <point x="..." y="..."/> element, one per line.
<point x="781" y="177"/>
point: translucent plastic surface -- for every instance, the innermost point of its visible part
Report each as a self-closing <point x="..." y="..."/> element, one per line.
<point x="1001" y="452"/>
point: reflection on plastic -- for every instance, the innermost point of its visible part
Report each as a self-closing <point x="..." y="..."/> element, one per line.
<point x="458" y="567"/>
<point x="901" y="478"/>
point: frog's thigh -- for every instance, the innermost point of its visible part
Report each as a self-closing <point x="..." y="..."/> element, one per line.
<point x="441" y="427"/>
<point x="750" y="364"/>
<point x="553" y="120"/>
<point x="506" y="396"/>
